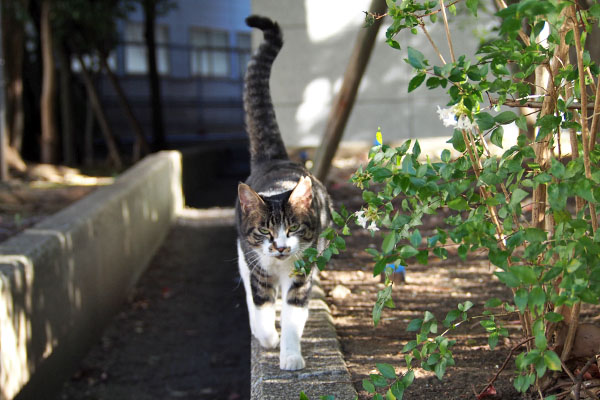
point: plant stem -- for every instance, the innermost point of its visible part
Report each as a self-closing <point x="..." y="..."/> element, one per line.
<point x="432" y="43"/>
<point x="452" y="57"/>
<point x="584" y="116"/>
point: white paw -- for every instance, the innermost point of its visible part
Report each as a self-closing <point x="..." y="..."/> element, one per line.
<point x="268" y="340"/>
<point x="291" y="362"/>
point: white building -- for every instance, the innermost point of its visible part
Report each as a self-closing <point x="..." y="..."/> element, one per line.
<point x="319" y="36"/>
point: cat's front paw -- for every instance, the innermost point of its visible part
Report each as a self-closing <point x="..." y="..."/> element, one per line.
<point x="268" y="340"/>
<point x="291" y="362"/>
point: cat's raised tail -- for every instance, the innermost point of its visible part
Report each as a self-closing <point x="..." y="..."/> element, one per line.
<point x="265" y="138"/>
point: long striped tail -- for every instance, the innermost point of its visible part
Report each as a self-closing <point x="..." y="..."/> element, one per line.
<point x="265" y="138"/>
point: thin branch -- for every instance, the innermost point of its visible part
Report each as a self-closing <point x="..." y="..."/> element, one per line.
<point x="594" y="129"/>
<point x="438" y="52"/>
<point x="569" y="340"/>
<point x="506" y="360"/>
<point x="534" y="104"/>
<point x="574" y="379"/>
<point x="584" y="123"/>
<point x="447" y="31"/>
<point x="579" y="377"/>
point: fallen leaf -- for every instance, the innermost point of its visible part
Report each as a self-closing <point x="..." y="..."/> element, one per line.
<point x="488" y="392"/>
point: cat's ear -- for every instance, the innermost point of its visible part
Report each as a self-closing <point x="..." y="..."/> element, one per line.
<point x="302" y="195"/>
<point x="249" y="199"/>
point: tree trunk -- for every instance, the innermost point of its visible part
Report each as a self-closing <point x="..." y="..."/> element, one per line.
<point x="140" y="140"/>
<point x="342" y="106"/>
<point x="111" y="143"/>
<point x="13" y="44"/>
<point x="158" y="132"/>
<point x="88" y="134"/>
<point x="49" y="139"/>
<point x="66" y="109"/>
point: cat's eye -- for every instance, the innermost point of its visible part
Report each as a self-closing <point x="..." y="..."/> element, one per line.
<point x="293" y="228"/>
<point x="264" y="231"/>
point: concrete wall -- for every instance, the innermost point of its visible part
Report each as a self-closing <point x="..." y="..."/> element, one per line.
<point x="319" y="37"/>
<point x="63" y="279"/>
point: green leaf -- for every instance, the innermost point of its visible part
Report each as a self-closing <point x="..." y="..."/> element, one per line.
<point x="552" y="361"/>
<point x="521" y="297"/>
<point x="547" y="124"/>
<point x="408" y="251"/>
<point x="386" y="370"/>
<point x="398" y="390"/>
<point x="409" y="346"/>
<point x="337" y="218"/>
<point x="408" y="378"/>
<point x="553" y="317"/>
<point x="414" y="325"/>
<point x="534" y="235"/>
<point x="303" y="396"/>
<point x="493" y="302"/>
<point x="525" y="273"/>
<point x="416" y="58"/>
<point x="446" y="155"/>
<point x="416" y="82"/>
<point x="537" y="297"/>
<point x="393" y="44"/>
<point x="497" y="136"/>
<point x="457" y="141"/>
<point x="557" y="169"/>
<point x="583" y="189"/>
<point x="505" y="117"/>
<point x="389" y="242"/>
<point x="517" y="196"/>
<point x="378" y="380"/>
<point x="384" y="298"/>
<point x="472" y="6"/>
<point x="368" y="386"/>
<point x="440" y="369"/>
<point x="485" y="121"/>
<point x="493" y="340"/>
<point x="415" y="238"/>
<point x="458" y="204"/>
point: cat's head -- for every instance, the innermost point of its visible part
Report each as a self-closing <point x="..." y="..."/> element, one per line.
<point x="281" y="225"/>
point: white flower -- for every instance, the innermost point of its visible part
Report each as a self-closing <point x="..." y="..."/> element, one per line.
<point x="361" y="219"/>
<point x="372" y="228"/>
<point x="465" y="123"/>
<point x="447" y="116"/>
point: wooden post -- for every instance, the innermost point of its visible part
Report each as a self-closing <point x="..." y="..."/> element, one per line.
<point x="344" y="101"/>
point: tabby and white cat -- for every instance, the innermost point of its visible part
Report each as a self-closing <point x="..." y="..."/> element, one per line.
<point x="281" y="211"/>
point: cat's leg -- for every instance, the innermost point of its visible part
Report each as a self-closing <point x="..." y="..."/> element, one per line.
<point x="294" y="313"/>
<point x="245" y="275"/>
<point x="262" y="317"/>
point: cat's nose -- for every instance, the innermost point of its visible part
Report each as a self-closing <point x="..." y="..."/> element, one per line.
<point x="282" y="249"/>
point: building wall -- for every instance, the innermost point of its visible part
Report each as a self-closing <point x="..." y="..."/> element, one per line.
<point x="196" y="108"/>
<point x="318" y="39"/>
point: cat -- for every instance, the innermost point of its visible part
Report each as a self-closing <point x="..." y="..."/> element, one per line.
<point x="281" y="211"/>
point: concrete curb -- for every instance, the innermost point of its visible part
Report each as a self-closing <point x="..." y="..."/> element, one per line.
<point x="325" y="373"/>
<point x="62" y="280"/>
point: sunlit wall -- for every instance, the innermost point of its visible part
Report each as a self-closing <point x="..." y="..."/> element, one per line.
<point x="319" y="36"/>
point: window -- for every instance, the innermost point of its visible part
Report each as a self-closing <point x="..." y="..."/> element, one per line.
<point x="244" y="50"/>
<point x="209" y="54"/>
<point x="136" y="61"/>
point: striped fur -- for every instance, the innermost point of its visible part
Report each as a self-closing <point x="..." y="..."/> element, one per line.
<point x="281" y="211"/>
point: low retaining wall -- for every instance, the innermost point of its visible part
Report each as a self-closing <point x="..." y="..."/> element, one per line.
<point x="62" y="280"/>
<point x="325" y="373"/>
